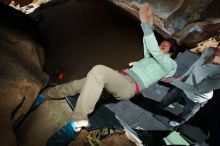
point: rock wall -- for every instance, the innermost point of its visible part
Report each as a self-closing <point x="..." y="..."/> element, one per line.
<point x="20" y="2"/>
<point x="21" y="75"/>
<point x="188" y="22"/>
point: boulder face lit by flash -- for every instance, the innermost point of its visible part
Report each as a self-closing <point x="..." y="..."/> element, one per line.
<point x="188" y="22"/>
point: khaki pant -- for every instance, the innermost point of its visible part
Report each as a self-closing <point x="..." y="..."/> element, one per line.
<point x="90" y="88"/>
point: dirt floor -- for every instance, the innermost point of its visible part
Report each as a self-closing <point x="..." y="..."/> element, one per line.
<point x="80" y="34"/>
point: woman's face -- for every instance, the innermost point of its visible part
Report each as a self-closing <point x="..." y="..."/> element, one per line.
<point x="165" y="46"/>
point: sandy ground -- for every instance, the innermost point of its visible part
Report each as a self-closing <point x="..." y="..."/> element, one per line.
<point x="80" y="35"/>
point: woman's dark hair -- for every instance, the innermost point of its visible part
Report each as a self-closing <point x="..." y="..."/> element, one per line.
<point x="173" y="49"/>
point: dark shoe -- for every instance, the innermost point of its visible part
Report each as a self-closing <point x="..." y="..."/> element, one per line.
<point x="40" y="99"/>
<point x="64" y="136"/>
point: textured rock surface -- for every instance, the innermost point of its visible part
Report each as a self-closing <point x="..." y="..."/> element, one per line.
<point x="43" y="123"/>
<point x="188" y="22"/>
<point x="20" y="2"/>
<point x="21" y="76"/>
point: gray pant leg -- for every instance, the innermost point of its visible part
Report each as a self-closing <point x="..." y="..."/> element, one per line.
<point x="173" y="96"/>
<point x="189" y="109"/>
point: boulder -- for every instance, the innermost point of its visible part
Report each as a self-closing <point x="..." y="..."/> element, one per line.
<point x="188" y="22"/>
<point x="21" y="75"/>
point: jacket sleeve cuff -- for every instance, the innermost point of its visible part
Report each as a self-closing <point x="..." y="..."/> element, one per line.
<point x="147" y="28"/>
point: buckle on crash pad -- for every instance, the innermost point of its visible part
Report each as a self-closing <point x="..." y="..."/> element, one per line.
<point x="92" y="141"/>
<point x="103" y="133"/>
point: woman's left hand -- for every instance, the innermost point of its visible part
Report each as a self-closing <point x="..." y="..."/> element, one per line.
<point x="168" y="80"/>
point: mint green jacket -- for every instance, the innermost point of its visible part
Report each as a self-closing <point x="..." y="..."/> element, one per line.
<point x="155" y="65"/>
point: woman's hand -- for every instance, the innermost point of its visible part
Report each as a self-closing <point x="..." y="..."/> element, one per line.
<point x="168" y="80"/>
<point x="171" y="79"/>
<point x="146" y="13"/>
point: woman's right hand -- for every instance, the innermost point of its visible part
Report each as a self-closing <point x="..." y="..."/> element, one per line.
<point x="146" y="13"/>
